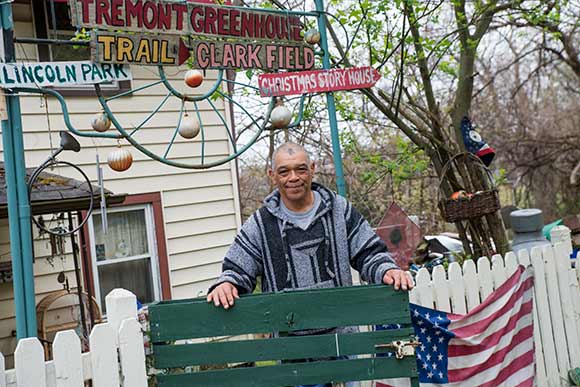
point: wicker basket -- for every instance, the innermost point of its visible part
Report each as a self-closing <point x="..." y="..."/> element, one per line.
<point x="480" y="204"/>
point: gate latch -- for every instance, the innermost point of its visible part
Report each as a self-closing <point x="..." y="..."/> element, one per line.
<point x="402" y="347"/>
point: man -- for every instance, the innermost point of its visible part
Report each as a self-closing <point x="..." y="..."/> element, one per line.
<point x="304" y="237"/>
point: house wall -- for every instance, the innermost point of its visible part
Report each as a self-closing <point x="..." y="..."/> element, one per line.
<point x="200" y="207"/>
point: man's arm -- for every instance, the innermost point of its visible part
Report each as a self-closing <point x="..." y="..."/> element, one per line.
<point x="241" y="266"/>
<point x="369" y="255"/>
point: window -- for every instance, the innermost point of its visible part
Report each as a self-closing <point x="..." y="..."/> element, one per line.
<point x="52" y="21"/>
<point x="128" y="254"/>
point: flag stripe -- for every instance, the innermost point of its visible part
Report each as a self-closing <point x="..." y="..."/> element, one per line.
<point x="493" y="337"/>
<point x="498" y="294"/>
<point x="498" y="359"/>
<point x="481" y="324"/>
<point x="522" y="377"/>
<point x="512" y="367"/>
<point x="485" y="355"/>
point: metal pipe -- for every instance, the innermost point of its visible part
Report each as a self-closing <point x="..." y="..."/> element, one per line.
<point x="75" y="251"/>
<point x="85" y="267"/>
<point x="18" y="203"/>
<point x="47" y="42"/>
<point x="23" y="214"/>
<point x="336" y="152"/>
<point x="13" y="221"/>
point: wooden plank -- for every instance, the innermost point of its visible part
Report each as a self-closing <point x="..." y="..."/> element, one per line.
<point x="575" y="289"/>
<point x="254" y="55"/>
<point x="51" y="373"/>
<point x="296" y="374"/>
<point x="562" y="260"/>
<point x="104" y="365"/>
<point x="457" y="289"/>
<point x="523" y="258"/>
<point x="424" y="288"/>
<point x="511" y="263"/>
<point x="556" y="311"/>
<point x="132" y="354"/>
<point x="287" y="311"/>
<point x="67" y="360"/>
<point x="2" y="371"/>
<point x="29" y="363"/>
<point x="441" y="288"/>
<point x="498" y="271"/>
<point x="204" y="20"/>
<point x="281" y="348"/>
<point x="42" y="74"/>
<point x="148" y="50"/>
<point x="471" y="283"/>
<point x="485" y="277"/>
<point x="542" y="305"/>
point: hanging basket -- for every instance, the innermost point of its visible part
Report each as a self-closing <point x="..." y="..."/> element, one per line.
<point x="475" y="205"/>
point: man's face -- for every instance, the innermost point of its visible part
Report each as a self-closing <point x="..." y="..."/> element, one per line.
<point x="293" y="175"/>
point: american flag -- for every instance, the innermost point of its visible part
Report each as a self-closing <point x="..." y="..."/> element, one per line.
<point x="491" y="346"/>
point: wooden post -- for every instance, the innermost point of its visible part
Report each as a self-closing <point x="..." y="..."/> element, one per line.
<point x="121" y="305"/>
<point x="562" y="234"/>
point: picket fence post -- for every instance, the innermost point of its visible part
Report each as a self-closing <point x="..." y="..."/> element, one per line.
<point x="2" y="371"/>
<point x="120" y="337"/>
<point x="67" y="360"/>
<point x="556" y="310"/>
<point x="29" y="363"/>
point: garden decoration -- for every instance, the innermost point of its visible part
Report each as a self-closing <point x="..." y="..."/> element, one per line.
<point x="475" y="144"/>
<point x="258" y="40"/>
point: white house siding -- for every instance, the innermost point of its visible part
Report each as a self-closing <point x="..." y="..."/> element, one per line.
<point x="200" y="207"/>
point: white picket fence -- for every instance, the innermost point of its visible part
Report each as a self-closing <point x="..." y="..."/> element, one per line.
<point x="116" y="355"/>
<point x="117" y="358"/>
<point x="556" y="301"/>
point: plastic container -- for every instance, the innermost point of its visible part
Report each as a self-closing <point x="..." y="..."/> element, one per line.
<point x="527" y="226"/>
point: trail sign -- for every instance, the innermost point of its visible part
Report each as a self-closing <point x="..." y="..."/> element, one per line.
<point x="151" y="50"/>
<point x="317" y="81"/>
<point x="251" y="55"/>
<point x="40" y="74"/>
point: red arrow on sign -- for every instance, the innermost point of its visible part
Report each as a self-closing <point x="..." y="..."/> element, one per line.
<point x="317" y="81"/>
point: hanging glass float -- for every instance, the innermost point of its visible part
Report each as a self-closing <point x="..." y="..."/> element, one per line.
<point x="101" y="122"/>
<point x="280" y="116"/>
<point x="193" y="78"/>
<point x="189" y="127"/>
<point x="312" y="36"/>
<point x="120" y="159"/>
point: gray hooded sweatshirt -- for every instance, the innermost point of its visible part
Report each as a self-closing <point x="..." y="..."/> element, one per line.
<point x="290" y="258"/>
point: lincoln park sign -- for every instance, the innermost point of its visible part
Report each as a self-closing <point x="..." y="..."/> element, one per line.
<point x="214" y="36"/>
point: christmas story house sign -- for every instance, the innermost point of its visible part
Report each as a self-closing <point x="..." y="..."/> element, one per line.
<point x="215" y="36"/>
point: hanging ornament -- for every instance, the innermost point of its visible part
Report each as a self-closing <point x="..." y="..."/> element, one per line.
<point x="101" y="122"/>
<point x="193" y="78"/>
<point x="120" y="159"/>
<point x="312" y="36"/>
<point x="280" y="116"/>
<point x="189" y="127"/>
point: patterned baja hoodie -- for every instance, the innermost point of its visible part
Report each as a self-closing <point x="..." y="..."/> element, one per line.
<point x="289" y="258"/>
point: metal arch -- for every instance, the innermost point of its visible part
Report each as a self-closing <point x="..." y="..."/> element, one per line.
<point x="164" y="160"/>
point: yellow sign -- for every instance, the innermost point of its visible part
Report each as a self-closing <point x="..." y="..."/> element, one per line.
<point x="126" y="48"/>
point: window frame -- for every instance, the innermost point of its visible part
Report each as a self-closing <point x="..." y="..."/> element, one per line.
<point x="39" y="12"/>
<point x="161" y="279"/>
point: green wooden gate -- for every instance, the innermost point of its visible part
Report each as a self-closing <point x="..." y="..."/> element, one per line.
<point x="178" y="330"/>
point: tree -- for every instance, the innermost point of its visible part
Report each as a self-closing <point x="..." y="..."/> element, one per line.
<point x="427" y="51"/>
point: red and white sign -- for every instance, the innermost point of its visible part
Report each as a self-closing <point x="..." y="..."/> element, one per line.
<point x="317" y="81"/>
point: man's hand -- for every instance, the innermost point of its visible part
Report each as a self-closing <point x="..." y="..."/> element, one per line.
<point x="399" y="279"/>
<point x="223" y="294"/>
